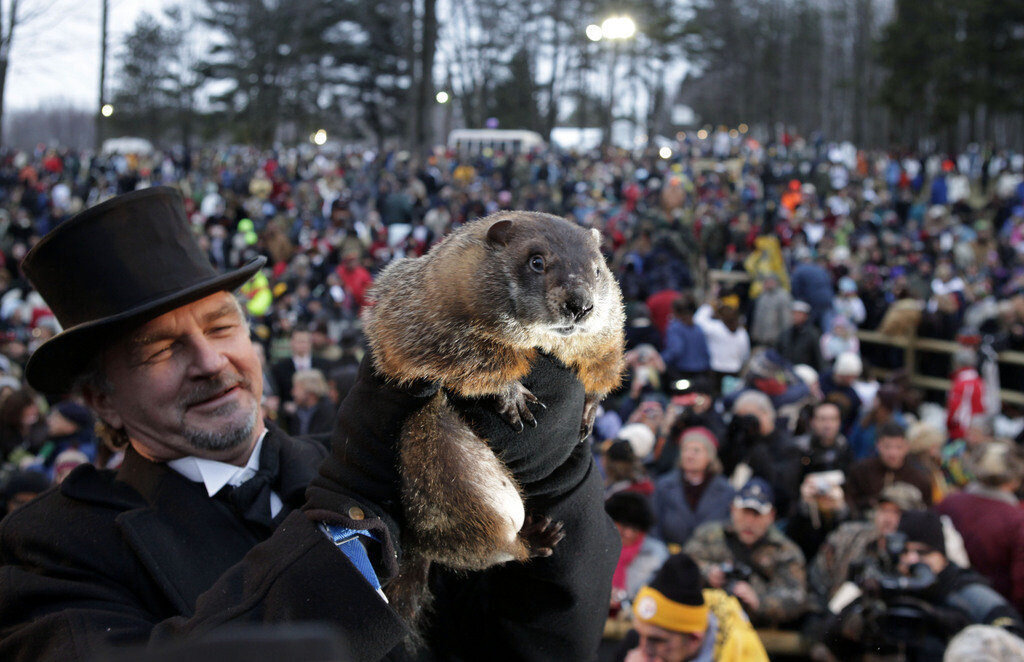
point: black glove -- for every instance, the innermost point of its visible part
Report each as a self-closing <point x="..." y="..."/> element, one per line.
<point x="548" y="460"/>
<point x="358" y="484"/>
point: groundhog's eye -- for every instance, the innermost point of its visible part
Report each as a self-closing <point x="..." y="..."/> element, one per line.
<point x="537" y="263"/>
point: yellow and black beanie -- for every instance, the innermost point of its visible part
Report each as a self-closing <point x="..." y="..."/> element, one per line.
<point x="674" y="600"/>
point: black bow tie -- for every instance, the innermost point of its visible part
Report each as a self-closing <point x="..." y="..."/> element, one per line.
<point x="250" y="501"/>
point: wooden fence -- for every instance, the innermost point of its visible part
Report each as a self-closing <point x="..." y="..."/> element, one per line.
<point x="911" y="346"/>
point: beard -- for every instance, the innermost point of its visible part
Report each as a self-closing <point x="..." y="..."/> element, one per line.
<point x="238" y="432"/>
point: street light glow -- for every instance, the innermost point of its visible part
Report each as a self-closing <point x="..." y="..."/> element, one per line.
<point x="442" y="97"/>
<point x="702" y="134"/>
<point x="594" y="32"/>
<point x="618" y="27"/>
<point x="320" y="137"/>
<point x="665" y="152"/>
<point x="106" y="110"/>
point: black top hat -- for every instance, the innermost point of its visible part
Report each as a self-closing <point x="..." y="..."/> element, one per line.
<point x="110" y="269"/>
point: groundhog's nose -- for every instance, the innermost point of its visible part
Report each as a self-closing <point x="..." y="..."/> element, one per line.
<point x="578" y="306"/>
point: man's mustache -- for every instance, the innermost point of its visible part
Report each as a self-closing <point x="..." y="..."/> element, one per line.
<point x="215" y="386"/>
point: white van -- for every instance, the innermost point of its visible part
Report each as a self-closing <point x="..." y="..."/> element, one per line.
<point x="508" y="141"/>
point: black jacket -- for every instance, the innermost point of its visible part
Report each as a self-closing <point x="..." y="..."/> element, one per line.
<point x="144" y="555"/>
<point x="801" y="344"/>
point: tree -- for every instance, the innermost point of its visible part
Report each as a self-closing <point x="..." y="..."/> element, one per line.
<point x="275" y="59"/>
<point x="14" y="19"/>
<point x="144" y="93"/>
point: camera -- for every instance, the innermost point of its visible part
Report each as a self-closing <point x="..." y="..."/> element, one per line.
<point x="735" y="572"/>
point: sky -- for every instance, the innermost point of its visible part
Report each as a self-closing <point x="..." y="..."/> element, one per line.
<point x="56" y="51"/>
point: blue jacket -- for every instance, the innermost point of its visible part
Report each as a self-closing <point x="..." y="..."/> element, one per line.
<point x="674" y="522"/>
<point x="686" y="349"/>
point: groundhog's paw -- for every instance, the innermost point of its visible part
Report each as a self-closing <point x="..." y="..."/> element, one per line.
<point x="514" y="406"/>
<point x="541" y="535"/>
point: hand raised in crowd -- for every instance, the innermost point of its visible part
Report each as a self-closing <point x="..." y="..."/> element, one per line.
<point x="716" y="577"/>
<point x="832" y="499"/>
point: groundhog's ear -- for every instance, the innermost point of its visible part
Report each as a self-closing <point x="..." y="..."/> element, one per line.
<point x="500" y="233"/>
<point x="597" y="236"/>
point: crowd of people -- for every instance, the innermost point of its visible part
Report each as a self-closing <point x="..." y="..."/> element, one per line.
<point x="800" y="469"/>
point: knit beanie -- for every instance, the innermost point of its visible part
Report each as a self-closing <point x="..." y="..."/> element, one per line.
<point x="75" y="413"/>
<point x="630" y="509"/>
<point x="703" y="435"/>
<point x="620" y="450"/>
<point x="639" y="436"/>
<point x="923" y="526"/>
<point x="674" y="600"/>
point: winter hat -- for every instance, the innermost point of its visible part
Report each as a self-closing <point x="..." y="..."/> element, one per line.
<point x="630" y="509"/>
<point x="923" y="526"/>
<point x="848" y="364"/>
<point x="66" y="462"/>
<point x="923" y="437"/>
<point x="703" y="435"/>
<point x="620" y="450"/>
<point x="807" y="374"/>
<point x="801" y="307"/>
<point x="639" y="436"/>
<point x="902" y="495"/>
<point x="75" y="413"/>
<point x="674" y="600"/>
<point x="32" y="482"/>
<point x="996" y="463"/>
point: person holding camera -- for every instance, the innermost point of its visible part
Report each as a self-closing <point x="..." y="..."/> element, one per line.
<point x="755" y="445"/>
<point x="824" y="457"/>
<point x="917" y="607"/>
<point x="751" y="559"/>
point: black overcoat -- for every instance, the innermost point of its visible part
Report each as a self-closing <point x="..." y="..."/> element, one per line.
<point x="142" y="554"/>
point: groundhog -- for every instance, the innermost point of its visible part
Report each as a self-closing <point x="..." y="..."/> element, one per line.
<point x="471" y="316"/>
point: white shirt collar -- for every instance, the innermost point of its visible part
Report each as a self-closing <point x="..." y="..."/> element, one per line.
<point x="215" y="475"/>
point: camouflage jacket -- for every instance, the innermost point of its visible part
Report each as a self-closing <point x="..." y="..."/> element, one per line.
<point x="851" y="545"/>
<point x="780" y="573"/>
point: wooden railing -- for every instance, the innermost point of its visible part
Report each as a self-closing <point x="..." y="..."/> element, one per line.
<point x="911" y="345"/>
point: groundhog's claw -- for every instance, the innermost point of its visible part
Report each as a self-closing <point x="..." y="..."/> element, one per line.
<point x="513" y="405"/>
<point x="541" y="535"/>
<point x="589" y="416"/>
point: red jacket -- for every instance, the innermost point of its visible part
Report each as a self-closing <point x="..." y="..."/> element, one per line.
<point x="993" y="533"/>
<point x="966" y="401"/>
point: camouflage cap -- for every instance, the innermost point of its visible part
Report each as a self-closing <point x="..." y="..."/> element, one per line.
<point x="903" y="495"/>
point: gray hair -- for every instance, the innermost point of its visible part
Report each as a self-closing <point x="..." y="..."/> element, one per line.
<point x="312" y="381"/>
<point x="755" y="399"/>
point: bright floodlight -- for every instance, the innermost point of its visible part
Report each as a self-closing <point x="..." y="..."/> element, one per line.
<point x="106" y="110"/>
<point x="320" y="137"/>
<point x="618" y="27"/>
<point x="442" y="97"/>
<point x="665" y="152"/>
<point x="594" y="32"/>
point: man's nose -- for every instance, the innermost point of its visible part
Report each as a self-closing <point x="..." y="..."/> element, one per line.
<point x="207" y="359"/>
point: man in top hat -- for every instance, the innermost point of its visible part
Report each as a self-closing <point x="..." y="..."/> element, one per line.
<point x="676" y="621"/>
<point x="218" y="519"/>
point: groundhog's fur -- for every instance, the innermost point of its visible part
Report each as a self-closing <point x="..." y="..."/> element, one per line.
<point x="470" y="316"/>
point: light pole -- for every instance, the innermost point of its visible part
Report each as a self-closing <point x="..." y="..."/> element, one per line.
<point x="615" y="29"/>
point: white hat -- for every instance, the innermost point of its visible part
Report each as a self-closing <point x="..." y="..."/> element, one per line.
<point x="848" y="363"/>
<point x="640" y="438"/>
<point x="807" y="374"/>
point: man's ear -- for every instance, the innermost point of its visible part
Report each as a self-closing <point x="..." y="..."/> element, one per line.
<point x="100" y="402"/>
